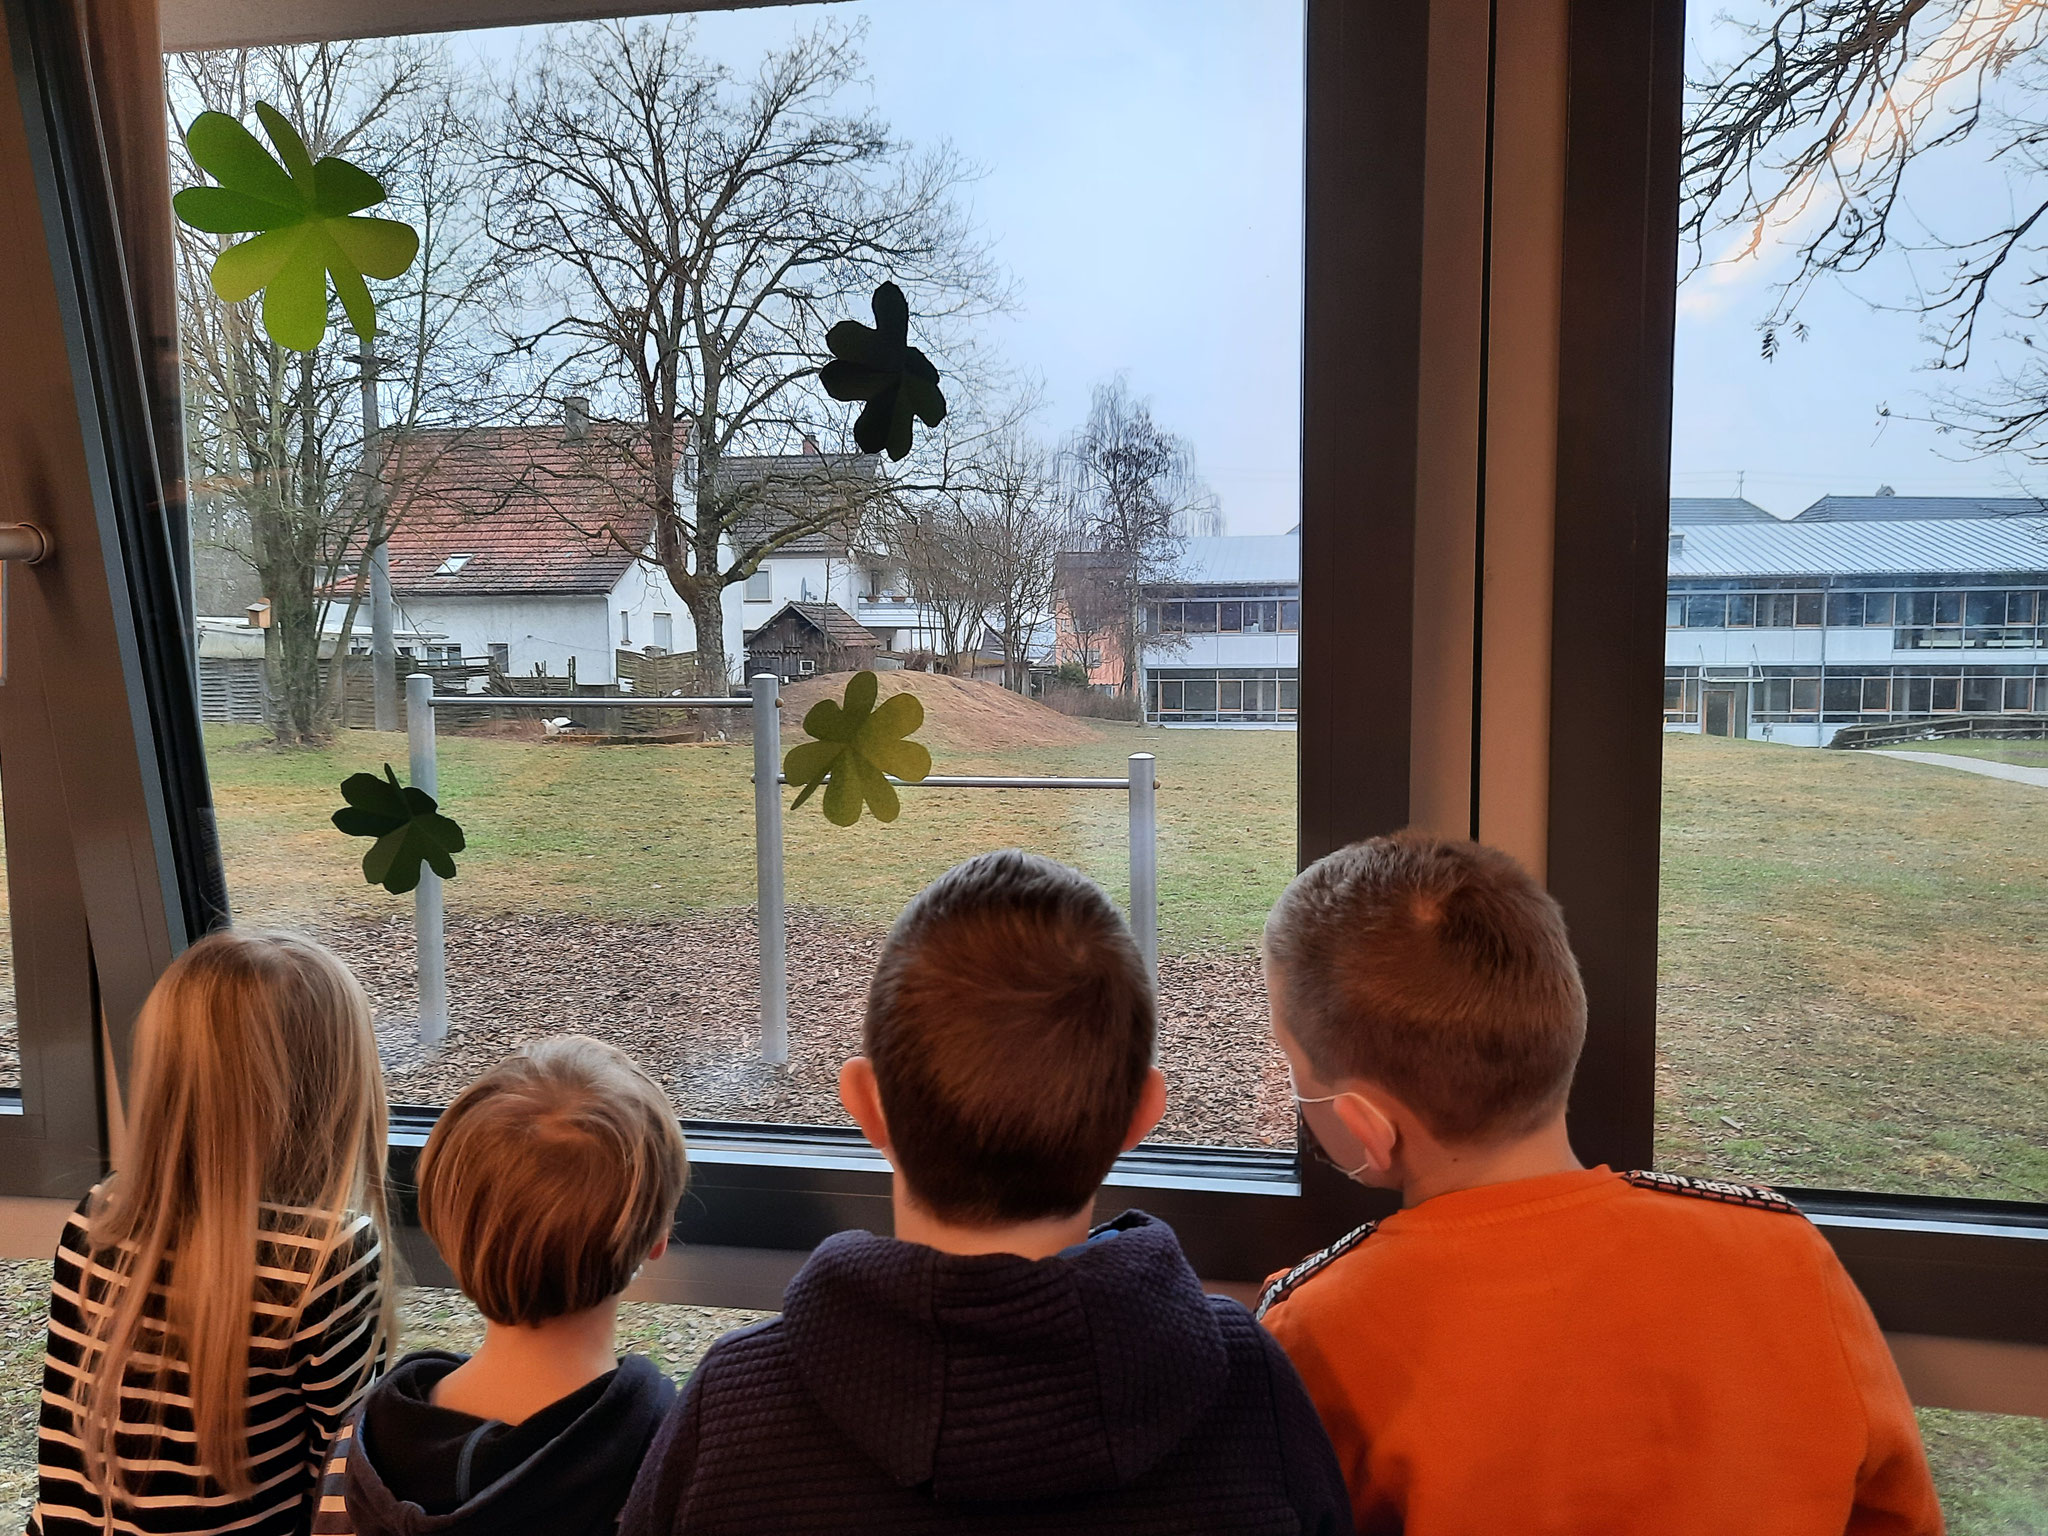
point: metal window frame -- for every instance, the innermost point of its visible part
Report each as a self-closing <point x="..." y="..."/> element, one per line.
<point x="1961" y="1268"/>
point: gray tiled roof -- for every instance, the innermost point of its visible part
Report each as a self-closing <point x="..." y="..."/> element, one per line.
<point x="1919" y="509"/>
<point x="799" y="480"/>
<point x="1693" y="511"/>
<point x="1241" y="559"/>
<point x="1938" y="546"/>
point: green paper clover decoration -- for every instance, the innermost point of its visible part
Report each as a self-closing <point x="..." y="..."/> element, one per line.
<point x="879" y="365"/>
<point x="408" y="826"/>
<point x="857" y="746"/>
<point x="302" y="216"/>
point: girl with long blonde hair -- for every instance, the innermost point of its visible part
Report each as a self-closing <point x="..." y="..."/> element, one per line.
<point x="221" y="1302"/>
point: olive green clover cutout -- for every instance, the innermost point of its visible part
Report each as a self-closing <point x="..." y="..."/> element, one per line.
<point x="857" y="747"/>
<point x="408" y="826"/>
<point x="879" y="365"/>
<point x="301" y="215"/>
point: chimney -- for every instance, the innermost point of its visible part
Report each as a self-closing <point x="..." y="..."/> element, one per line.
<point x="576" y="418"/>
<point x="811" y="446"/>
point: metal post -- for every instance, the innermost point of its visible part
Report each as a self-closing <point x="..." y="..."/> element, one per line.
<point x="428" y="925"/>
<point x="1145" y="860"/>
<point x="766" y="690"/>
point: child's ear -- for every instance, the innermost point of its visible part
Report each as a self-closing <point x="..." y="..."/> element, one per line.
<point x="863" y="1100"/>
<point x="660" y="1247"/>
<point x="1151" y="1105"/>
<point x="1371" y="1126"/>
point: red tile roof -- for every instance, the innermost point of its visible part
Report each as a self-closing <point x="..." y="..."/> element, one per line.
<point x="533" y="511"/>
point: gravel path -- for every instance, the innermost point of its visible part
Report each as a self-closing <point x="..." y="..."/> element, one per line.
<point x="679" y="995"/>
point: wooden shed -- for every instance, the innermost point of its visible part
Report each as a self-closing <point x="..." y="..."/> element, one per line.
<point x="804" y="638"/>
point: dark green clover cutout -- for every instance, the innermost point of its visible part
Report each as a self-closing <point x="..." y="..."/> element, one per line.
<point x="858" y="745"/>
<point x="880" y="366"/>
<point x="408" y="826"/>
<point x="301" y="215"/>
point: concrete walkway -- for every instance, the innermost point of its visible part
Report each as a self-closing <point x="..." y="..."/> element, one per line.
<point x="2038" y="777"/>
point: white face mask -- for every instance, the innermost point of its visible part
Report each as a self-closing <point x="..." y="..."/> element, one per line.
<point x="1349" y="1173"/>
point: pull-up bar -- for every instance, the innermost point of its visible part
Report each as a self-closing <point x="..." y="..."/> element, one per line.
<point x="429" y="915"/>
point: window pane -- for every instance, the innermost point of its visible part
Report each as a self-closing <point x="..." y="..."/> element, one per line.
<point x="1741" y="610"/>
<point x="1853" y="986"/>
<point x="620" y="843"/>
<point x="1674" y="613"/>
<point x="1708" y="612"/>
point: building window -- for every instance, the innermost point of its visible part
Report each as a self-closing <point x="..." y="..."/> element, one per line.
<point x="761" y="586"/>
<point x="1222" y="695"/>
<point x="453" y="565"/>
<point x="665" y="631"/>
<point x="500" y="654"/>
<point x="625" y="627"/>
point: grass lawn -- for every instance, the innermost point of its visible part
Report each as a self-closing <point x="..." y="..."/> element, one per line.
<point x="631" y="830"/>
<point x="1854" y="980"/>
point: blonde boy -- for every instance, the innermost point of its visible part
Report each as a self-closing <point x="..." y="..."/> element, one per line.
<point x="545" y="1185"/>
<point x="1530" y="1345"/>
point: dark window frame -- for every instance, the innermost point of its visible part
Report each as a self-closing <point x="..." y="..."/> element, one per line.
<point x="1933" y="1266"/>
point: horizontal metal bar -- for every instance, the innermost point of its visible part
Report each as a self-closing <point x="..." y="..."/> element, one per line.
<point x="938" y="781"/>
<point x="602" y="701"/>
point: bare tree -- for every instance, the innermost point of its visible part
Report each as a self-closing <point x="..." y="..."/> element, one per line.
<point x="1814" y="133"/>
<point x="938" y="544"/>
<point x="274" y="437"/>
<point x="1136" y="496"/>
<point x="1024" y="523"/>
<point x="691" y="236"/>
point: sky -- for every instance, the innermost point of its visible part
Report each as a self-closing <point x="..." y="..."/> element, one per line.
<point x="1807" y="423"/>
<point x="1142" y="165"/>
<point x="1141" y="183"/>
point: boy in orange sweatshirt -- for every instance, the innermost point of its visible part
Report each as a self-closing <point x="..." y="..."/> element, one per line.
<point x="1528" y="1344"/>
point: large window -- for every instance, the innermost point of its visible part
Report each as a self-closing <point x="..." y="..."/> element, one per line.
<point x="1848" y="993"/>
<point x="1853" y="995"/>
<point x="528" y="497"/>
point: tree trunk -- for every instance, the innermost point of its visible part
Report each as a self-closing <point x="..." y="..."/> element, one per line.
<point x="707" y="614"/>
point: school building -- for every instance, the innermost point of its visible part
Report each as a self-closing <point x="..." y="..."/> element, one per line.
<point x="1861" y="610"/>
<point x="1222" y="641"/>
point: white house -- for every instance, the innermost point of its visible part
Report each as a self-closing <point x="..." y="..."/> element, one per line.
<point x="1222" y="642"/>
<point x="1851" y="615"/>
<point x="526" y="546"/>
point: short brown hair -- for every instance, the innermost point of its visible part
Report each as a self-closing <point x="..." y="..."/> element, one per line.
<point x="1439" y="970"/>
<point x="550" y="1179"/>
<point x="1010" y="1024"/>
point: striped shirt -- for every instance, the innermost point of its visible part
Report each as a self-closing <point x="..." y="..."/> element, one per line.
<point x="313" y="1349"/>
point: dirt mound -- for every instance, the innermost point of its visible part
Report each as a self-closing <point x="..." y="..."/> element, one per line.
<point x="959" y="714"/>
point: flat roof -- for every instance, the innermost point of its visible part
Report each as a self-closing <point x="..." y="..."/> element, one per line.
<point x="1937" y="546"/>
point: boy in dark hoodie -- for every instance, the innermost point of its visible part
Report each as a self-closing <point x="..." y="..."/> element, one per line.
<point x="996" y="1366"/>
<point x="545" y="1186"/>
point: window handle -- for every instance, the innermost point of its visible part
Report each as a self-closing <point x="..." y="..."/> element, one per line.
<point x="24" y="542"/>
